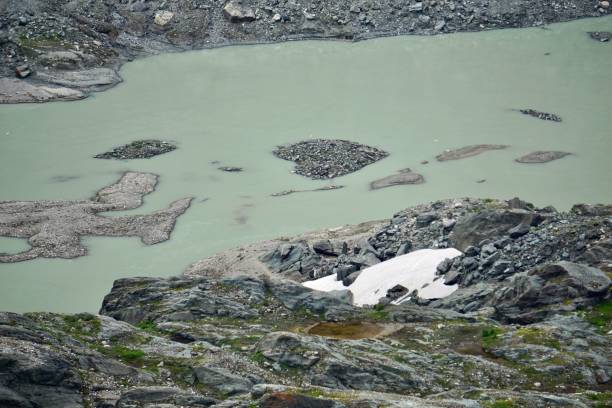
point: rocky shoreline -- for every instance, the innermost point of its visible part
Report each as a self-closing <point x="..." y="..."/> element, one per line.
<point x="529" y="325"/>
<point x="63" y="51"/>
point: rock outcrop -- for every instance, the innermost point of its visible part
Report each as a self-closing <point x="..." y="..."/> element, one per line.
<point x="534" y="335"/>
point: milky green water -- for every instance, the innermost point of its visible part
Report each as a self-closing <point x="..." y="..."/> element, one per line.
<point x="411" y="96"/>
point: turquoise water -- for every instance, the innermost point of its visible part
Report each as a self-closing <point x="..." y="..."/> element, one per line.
<point x="411" y="96"/>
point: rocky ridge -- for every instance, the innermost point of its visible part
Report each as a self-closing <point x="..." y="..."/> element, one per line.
<point x="236" y="332"/>
<point x="63" y="50"/>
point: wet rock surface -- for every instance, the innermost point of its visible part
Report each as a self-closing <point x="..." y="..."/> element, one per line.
<point x="16" y="91"/>
<point x="467" y="151"/>
<point x="139" y="149"/>
<point x="541" y="115"/>
<point x="54" y="228"/>
<point x="542" y="156"/>
<point x="328" y="158"/>
<point x="74" y="42"/>
<point x="405" y="176"/>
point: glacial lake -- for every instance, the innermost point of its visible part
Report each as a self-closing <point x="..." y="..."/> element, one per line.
<point x="411" y="96"/>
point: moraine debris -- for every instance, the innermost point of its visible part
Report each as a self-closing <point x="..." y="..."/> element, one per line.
<point x="601" y="36"/>
<point x="54" y="228"/>
<point x="138" y="149"/>
<point x="541" y="115"/>
<point x="328" y="158"/>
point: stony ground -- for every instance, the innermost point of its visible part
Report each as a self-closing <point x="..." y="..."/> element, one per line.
<point x="54" y="229"/>
<point x="234" y="332"/>
<point x="65" y="49"/>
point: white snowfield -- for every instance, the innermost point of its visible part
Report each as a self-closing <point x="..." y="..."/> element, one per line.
<point x="415" y="270"/>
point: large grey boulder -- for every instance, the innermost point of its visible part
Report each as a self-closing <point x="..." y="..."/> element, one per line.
<point x="38" y="379"/>
<point x="222" y="381"/>
<point x="489" y="224"/>
<point x="290" y="349"/>
<point x="544" y="291"/>
<point x="237" y="11"/>
<point x="294" y="296"/>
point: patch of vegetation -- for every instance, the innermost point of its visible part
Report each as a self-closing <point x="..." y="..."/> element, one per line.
<point x="148" y="326"/>
<point x="538" y="336"/>
<point x="45" y="41"/>
<point x="602" y="399"/>
<point x="502" y="404"/>
<point x="601" y="316"/>
<point x="490" y="336"/>
<point x="131" y="356"/>
<point x="82" y="324"/>
<point x="237" y="343"/>
<point x="378" y="313"/>
<point x="258" y="357"/>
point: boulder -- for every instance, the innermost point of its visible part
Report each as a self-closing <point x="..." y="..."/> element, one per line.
<point x="324" y="247"/>
<point x="488" y="224"/>
<point x="544" y="291"/>
<point x="222" y="381"/>
<point x="290" y="349"/>
<point x="236" y="11"/>
<point x="163" y="17"/>
<point x="23" y="71"/>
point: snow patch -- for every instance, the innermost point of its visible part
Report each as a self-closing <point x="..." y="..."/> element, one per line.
<point x="415" y="271"/>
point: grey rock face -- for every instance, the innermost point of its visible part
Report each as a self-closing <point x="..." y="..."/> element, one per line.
<point x="544" y="291"/>
<point x="222" y="380"/>
<point x="488" y="224"/>
<point x="290" y="349"/>
<point x="38" y="380"/>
